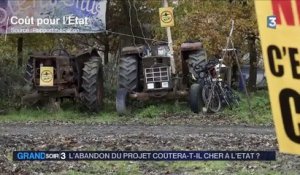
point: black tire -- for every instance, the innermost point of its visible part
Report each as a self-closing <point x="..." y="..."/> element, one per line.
<point x="196" y="58"/>
<point x="92" y="84"/>
<point x="128" y="73"/>
<point x="122" y="101"/>
<point x="215" y="102"/>
<point x="195" y="98"/>
<point x="29" y="71"/>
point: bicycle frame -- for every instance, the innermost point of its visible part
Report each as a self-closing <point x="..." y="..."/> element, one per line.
<point x="212" y="80"/>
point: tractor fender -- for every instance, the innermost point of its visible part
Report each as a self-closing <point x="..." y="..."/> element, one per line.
<point x="191" y="53"/>
<point x="79" y="61"/>
<point x="131" y="50"/>
<point x="88" y="53"/>
<point x="191" y="46"/>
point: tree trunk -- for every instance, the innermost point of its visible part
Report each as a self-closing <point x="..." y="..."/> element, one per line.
<point x="106" y="44"/>
<point x="229" y="75"/>
<point x="253" y="63"/>
<point x="20" y="52"/>
<point x="106" y="50"/>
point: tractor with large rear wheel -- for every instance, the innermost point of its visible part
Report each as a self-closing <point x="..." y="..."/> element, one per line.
<point x="148" y="73"/>
<point x="59" y="75"/>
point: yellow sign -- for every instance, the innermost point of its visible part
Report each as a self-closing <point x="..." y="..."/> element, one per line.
<point x="166" y="17"/>
<point x="46" y="76"/>
<point x="279" y="27"/>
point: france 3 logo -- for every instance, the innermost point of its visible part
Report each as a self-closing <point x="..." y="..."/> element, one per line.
<point x="271" y="22"/>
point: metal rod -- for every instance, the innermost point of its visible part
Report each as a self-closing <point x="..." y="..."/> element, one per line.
<point x="243" y="82"/>
<point x="230" y="42"/>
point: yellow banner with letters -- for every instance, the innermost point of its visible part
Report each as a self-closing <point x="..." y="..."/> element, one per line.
<point x="166" y="17"/>
<point x="279" y="27"/>
<point x="46" y="76"/>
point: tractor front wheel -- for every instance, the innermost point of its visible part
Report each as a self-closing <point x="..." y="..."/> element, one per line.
<point x="195" y="98"/>
<point x="122" y="101"/>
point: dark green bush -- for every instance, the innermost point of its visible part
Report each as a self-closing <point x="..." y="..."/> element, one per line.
<point x="11" y="84"/>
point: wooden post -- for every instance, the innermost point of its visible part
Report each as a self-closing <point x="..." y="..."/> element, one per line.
<point x="229" y="75"/>
<point x="106" y="42"/>
<point x="170" y="41"/>
<point x="253" y="63"/>
<point x="20" y="51"/>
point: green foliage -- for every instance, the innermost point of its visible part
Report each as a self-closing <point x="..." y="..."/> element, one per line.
<point x="150" y="112"/>
<point x="209" y="21"/>
<point x="110" y="72"/>
<point x="163" y="110"/>
<point x="11" y="82"/>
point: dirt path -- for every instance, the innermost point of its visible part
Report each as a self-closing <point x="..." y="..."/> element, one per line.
<point x="65" y="136"/>
<point x="128" y="130"/>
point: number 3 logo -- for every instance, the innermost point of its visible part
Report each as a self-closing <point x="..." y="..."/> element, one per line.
<point x="62" y="156"/>
<point x="271" y="21"/>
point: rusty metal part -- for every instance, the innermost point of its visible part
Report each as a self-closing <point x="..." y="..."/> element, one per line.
<point x="191" y="46"/>
<point x="38" y="95"/>
<point x="88" y="53"/>
<point x="144" y="96"/>
<point x="133" y="50"/>
<point x="150" y="61"/>
<point x="31" y="98"/>
<point x="63" y="69"/>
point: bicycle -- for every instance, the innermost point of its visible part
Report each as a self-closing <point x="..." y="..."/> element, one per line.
<point x="215" y="92"/>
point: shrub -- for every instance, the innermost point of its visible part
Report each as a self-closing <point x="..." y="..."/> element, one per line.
<point x="11" y="84"/>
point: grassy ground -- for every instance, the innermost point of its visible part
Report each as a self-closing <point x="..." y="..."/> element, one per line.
<point x="145" y="113"/>
<point x="192" y="168"/>
<point x="150" y="113"/>
<point x="259" y="113"/>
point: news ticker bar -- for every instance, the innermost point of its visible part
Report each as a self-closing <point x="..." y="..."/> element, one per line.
<point x="144" y="155"/>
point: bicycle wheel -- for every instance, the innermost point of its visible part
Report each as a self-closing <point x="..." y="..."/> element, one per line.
<point x="211" y="99"/>
<point x="233" y="98"/>
<point x="225" y="99"/>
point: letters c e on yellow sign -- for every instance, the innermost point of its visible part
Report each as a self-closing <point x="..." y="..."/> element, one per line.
<point x="279" y="27"/>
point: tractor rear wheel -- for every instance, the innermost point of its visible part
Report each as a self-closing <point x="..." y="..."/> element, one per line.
<point x="196" y="58"/>
<point x="128" y="73"/>
<point x="92" y="84"/>
<point x="29" y="71"/>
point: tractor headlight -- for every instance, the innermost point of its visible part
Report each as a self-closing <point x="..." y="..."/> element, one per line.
<point x="165" y="84"/>
<point x="150" y="86"/>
